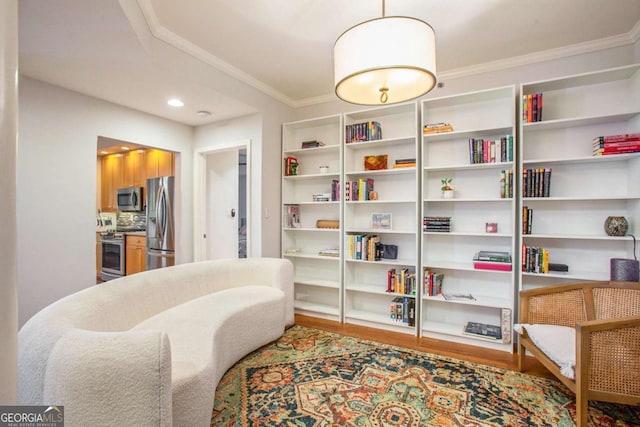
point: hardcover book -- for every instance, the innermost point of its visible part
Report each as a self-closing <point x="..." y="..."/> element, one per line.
<point x="484" y="330"/>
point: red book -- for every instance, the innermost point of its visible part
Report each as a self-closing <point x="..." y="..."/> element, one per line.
<point x="488" y="265"/>
<point x="627" y="149"/>
<point x="621" y="137"/>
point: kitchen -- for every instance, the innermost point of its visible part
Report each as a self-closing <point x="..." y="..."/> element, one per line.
<point x="134" y="209"/>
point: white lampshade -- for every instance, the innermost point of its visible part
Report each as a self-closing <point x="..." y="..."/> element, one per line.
<point x="394" y="55"/>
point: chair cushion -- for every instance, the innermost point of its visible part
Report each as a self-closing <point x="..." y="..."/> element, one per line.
<point x="557" y="342"/>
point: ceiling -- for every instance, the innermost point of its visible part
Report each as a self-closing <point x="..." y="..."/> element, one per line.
<point x="283" y="48"/>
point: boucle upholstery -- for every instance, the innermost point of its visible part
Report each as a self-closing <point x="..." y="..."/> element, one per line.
<point x="107" y="352"/>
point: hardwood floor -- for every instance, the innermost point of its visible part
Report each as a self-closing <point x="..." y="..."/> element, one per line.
<point x="496" y="358"/>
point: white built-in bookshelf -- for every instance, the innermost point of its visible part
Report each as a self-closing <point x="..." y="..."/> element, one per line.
<point x="366" y="297"/>
<point x="317" y="278"/>
<point x="487" y="115"/>
<point x="585" y="189"/>
<point x="568" y="221"/>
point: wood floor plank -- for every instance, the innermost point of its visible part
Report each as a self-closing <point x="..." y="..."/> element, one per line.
<point x="474" y="354"/>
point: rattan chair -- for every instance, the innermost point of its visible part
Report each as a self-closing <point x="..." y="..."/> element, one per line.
<point x="606" y="316"/>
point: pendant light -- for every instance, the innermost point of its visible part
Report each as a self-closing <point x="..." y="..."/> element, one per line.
<point x="385" y="60"/>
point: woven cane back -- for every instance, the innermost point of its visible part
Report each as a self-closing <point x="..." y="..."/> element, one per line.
<point x="562" y="309"/>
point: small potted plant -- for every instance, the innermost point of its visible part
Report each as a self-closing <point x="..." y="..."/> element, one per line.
<point x="447" y="188"/>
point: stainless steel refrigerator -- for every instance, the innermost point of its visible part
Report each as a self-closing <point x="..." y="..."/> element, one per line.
<point x="160" y="225"/>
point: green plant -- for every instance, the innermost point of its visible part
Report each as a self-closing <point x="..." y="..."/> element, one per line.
<point x="446" y="184"/>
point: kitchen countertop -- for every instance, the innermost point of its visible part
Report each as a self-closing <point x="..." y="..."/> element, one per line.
<point x="136" y="233"/>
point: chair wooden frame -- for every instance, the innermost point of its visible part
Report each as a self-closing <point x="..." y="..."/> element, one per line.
<point x="606" y="316"/>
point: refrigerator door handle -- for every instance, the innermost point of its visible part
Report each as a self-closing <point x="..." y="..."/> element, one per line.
<point x="159" y="214"/>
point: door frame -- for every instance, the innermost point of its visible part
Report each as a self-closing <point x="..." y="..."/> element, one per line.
<point x="200" y="195"/>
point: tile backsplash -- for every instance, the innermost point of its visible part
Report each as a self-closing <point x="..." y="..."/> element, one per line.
<point x="132" y="220"/>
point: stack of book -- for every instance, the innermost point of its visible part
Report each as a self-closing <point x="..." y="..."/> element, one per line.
<point x="616" y="144"/>
<point x="483" y="330"/>
<point x="492" y="260"/>
<point x="330" y="252"/>
<point x="488" y="151"/>
<point x="312" y="144"/>
<point x="321" y="197"/>
<point x="335" y="190"/>
<point x="401" y="282"/>
<point x="536" y="182"/>
<point x="432" y="283"/>
<point x="405" y="163"/>
<point x="437" y="128"/>
<point x="367" y="131"/>
<point x="438" y="224"/>
<point x="506" y="184"/>
<point x="403" y="309"/>
<point x="532" y="108"/>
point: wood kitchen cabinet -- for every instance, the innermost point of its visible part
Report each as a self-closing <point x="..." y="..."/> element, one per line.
<point x="134" y="169"/>
<point x="136" y="254"/>
<point x="98" y="255"/>
<point x="112" y="178"/>
<point x="159" y="163"/>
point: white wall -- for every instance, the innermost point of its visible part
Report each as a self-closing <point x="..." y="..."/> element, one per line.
<point x="8" y="142"/>
<point x="576" y="64"/>
<point x="57" y="186"/>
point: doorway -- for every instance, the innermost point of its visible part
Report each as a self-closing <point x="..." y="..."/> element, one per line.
<point x="223" y="212"/>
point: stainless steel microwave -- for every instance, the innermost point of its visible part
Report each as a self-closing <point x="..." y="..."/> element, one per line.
<point x="130" y="199"/>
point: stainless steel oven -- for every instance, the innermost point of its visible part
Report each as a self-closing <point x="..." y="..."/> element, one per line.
<point x="113" y="256"/>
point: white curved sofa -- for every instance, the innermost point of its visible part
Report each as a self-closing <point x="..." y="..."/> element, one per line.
<point x="149" y="349"/>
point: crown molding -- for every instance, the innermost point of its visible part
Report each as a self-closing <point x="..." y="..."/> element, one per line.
<point x="167" y="36"/>
<point x="542" y="56"/>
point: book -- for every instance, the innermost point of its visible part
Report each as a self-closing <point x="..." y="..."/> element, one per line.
<point x="458" y="297"/>
<point x="491" y="265"/>
<point x="291" y="216"/>
<point x="311" y="144"/>
<point x="437" y="128"/>
<point x="484" y="330"/>
<point x="290" y="166"/>
<point x="495" y="256"/>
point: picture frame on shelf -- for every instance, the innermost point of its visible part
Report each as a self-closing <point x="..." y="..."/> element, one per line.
<point x="381" y="221"/>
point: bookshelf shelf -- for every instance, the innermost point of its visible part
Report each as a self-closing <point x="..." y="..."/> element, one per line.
<point x="488" y="115"/>
<point x="366" y="301"/>
<point x="317" y="278"/>
<point x="585" y="189"/>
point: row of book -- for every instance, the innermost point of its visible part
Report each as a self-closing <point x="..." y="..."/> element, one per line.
<point x="506" y="184"/>
<point x="432" y="283"/>
<point x="488" y="151"/>
<point x="290" y="166"/>
<point x="616" y="144"/>
<point x="491" y="332"/>
<point x="535" y="259"/>
<point x="403" y="309"/>
<point x="527" y="219"/>
<point x="438" y="224"/>
<point x="532" y="108"/>
<point x="358" y="190"/>
<point x="536" y="182"/>
<point x="365" y="247"/>
<point x="402" y="281"/>
<point x="492" y="260"/>
<point x="366" y="131"/>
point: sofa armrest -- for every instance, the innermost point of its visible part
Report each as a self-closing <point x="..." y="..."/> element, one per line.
<point x="608" y="355"/>
<point x="111" y="378"/>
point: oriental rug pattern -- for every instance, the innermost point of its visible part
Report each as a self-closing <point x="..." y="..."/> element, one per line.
<point x="316" y="378"/>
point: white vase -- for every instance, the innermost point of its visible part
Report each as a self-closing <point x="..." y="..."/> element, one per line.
<point x="447" y="194"/>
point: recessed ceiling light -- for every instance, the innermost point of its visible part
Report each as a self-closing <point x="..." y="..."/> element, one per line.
<point x="175" y="102"/>
<point x="125" y="148"/>
<point x="203" y="113"/>
<point x="104" y="152"/>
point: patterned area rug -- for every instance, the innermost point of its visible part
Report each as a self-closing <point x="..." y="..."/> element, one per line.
<point x="316" y="378"/>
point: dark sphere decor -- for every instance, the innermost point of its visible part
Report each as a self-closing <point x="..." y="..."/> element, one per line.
<point x="616" y="225"/>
